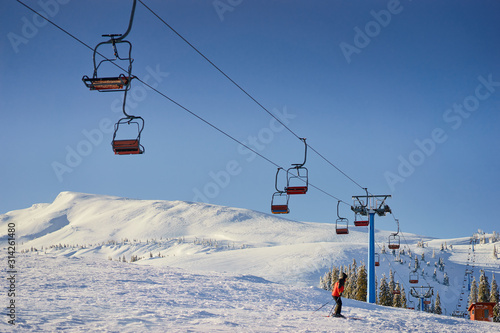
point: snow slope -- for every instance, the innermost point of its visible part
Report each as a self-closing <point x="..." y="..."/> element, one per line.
<point x="210" y="242"/>
<point x="71" y="294"/>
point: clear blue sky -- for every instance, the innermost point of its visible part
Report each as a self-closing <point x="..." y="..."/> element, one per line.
<point x="403" y="96"/>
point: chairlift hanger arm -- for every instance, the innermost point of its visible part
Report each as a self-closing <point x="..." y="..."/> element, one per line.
<point x="122" y="36"/>
<point x="300" y="165"/>
<point x="276" y="181"/>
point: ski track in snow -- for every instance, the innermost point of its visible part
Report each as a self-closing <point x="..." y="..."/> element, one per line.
<point x="57" y="293"/>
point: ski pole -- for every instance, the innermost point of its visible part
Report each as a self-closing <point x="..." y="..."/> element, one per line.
<point x="322" y="306"/>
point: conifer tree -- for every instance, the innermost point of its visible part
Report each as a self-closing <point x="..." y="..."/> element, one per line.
<point x="384" y="297"/>
<point x="437" y="305"/>
<point x="353" y="278"/>
<point x="483" y="293"/>
<point x="433" y="253"/>
<point x="396" y="299"/>
<point x="473" y="293"/>
<point x="495" y="298"/>
<point x="334" y="276"/>
<point x="361" y="284"/>
<point x="403" y="297"/>
<point x="347" y="284"/>
<point x="392" y="285"/>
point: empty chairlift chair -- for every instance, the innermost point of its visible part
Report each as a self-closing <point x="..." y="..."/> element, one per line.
<point x="360" y="223"/>
<point x="279" y="200"/>
<point x="297" y="176"/>
<point x="413" y="277"/>
<point x="377" y="259"/>
<point x="394" y="242"/>
<point x="341" y="224"/>
<point x="120" y="82"/>
<point x="279" y="203"/>
<point x="128" y="146"/>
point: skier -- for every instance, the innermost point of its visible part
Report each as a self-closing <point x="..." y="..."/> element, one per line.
<point x="338" y="289"/>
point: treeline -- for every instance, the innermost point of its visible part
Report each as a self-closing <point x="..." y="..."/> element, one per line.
<point x="486" y="293"/>
<point x="389" y="291"/>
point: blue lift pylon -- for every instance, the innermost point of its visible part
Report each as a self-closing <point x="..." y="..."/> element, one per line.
<point x="369" y="205"/>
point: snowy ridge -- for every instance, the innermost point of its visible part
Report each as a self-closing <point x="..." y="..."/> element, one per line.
<point x="219" y="245"/>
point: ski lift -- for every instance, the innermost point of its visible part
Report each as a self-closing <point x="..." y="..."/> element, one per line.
<point x="411" y="305"/>
<point x="360" y="223"/>
<point x="413" y="277"/>
<point x="301" y="176"/>
<point x="394" y="239"/>
<point x="122" y="81"/>
<point x="282" y="206"/>
<point x="128" y="146"/>
<point x="279" y="200"/>
<point x="394" y="242"/>
<point x="377" y="259"/>
<point x="341" y="224"/>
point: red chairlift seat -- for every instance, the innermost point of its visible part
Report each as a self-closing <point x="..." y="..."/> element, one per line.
<point x="280" y="209"/>
<point x="119" y="83"/>
<point x="127" y="147"/>
<point x="296" y="190"/>
<point x="377" y="259"/>
<point x="361" y="223"/>
<point x="413" y="277"/>
<point x="342" y="231"/>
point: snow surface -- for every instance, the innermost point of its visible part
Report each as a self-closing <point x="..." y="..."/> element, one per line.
<point x="207" y="268"/>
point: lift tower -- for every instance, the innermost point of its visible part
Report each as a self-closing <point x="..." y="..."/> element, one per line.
<point x="369" y="205"/>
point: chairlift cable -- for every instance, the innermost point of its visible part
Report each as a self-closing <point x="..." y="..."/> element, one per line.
<point x="245" y="92"/>
<point x="173" y="101"/>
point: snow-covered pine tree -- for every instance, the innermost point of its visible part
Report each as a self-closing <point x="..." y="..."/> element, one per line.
<point x="433" y="253"/>
<point x="334" y="276"/>
<point x="361" y="283"/>
<point x="423" y="257"/>
<point x="495" y="298"/>
<point x="385" y="294"/>
<point x="347" y="285"/>
<point x="437" y="305"/>
<point x="473" y="293"/>
<point x="396" y="299"/>
<point x="483" y="292"/>
<point x="403" y="297"/>
<point x="392" y="285"/>
<point x="434" y="275"/>
<point x="353" y="279"/>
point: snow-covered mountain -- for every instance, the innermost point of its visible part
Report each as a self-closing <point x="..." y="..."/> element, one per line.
<point x="236" y="253"/>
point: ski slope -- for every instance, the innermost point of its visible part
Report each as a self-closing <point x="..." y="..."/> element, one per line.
<point x="207" y="268"/>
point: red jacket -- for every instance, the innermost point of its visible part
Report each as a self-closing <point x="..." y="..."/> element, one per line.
<point x="337" y="290"/>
